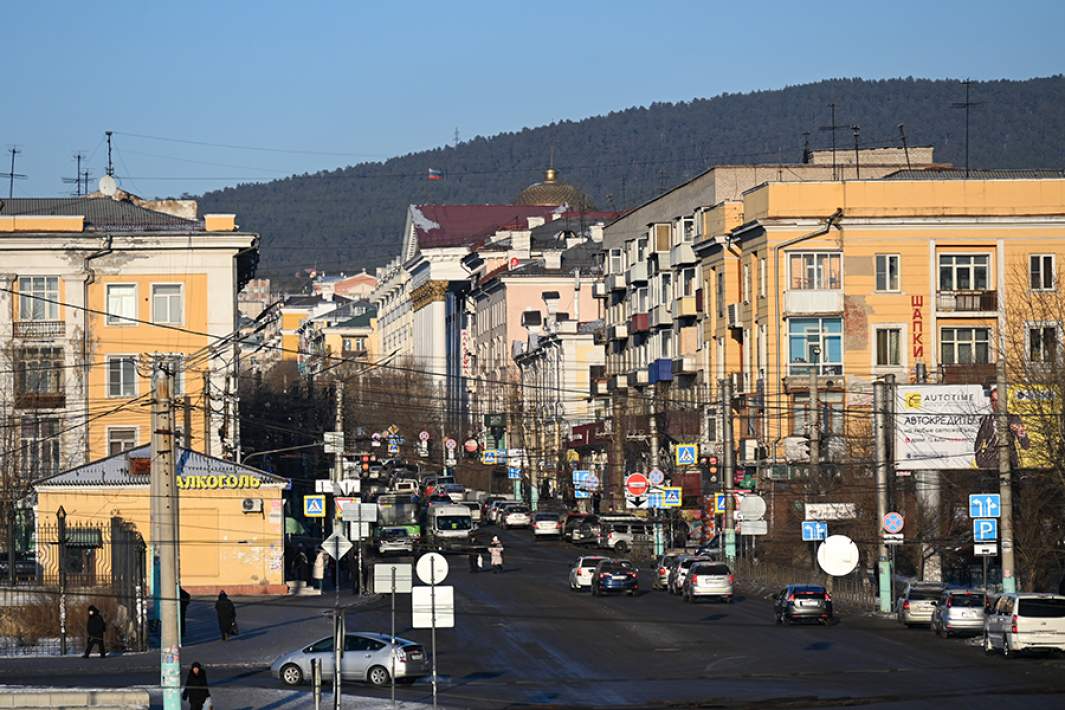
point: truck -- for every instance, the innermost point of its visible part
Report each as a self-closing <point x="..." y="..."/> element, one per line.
<point x="448" y="527"/>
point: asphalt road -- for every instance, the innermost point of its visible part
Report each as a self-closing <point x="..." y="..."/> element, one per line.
<point x="523" y="638"/>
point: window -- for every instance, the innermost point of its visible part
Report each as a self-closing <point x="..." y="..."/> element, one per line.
<point x="121" y="303"/>
<point x="665" y="293"/>
<point x="641" y="248"/>
<point x="720" y="293"/>
<point x="687" y="281"/>
<point x="346" y="345"/>
<point x="666" y="343"/>
<point x="1041" y="272"/>
<point x="688" y="226"/>
<point x="39" y="377"/>
<point x="641" y="300"/>
<point x="166" y="303"/>
<point x="887" y="272"/>
<point x="888" y="350"/>
<point x="815" y="342"/>
<point x="815" y="270"/>
<point x="831" y="406"/>
<point x="763" y="277"/>
<point x="965" y="346"/>
<point x="39" y="443"/>
<point x="38" y="298"/>
<point x="712" y="421"/>
<point x="617" y="261"/>
<point x="746" y="283"/>
<point x="121" y="439"/>
<point x="963" y="272"/>
<point x="1042" y="342"/>
<point x="122" y="376"/>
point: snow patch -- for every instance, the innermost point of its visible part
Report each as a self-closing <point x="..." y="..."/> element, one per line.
<point x="420" y="221"/>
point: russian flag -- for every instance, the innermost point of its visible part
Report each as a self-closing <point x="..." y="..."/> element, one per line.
<point x="435" y="174"/>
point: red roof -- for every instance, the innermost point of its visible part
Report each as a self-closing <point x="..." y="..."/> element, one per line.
<point x="463" y="225"/>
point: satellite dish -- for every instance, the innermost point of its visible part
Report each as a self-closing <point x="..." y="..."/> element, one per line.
<point x="108" y="186"/>
<point x="837" y="555"/>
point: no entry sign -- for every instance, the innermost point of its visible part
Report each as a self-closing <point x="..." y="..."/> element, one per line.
<point x="636" y="485"/>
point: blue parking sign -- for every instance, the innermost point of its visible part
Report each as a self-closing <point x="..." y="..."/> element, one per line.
<point x="985" y="529"/>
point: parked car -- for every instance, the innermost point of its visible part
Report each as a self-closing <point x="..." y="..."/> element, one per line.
<point x="621" y="531"/>
<point x="475" y="511"/>
<point x="367" y="656"/>
<point x="680" y="570"/>
<point x="515" y="516"/>
<point x="394" y="540"/>
<point x="496" y="507"/>
<point x="546" y="525"/>
<point x="803" y="602"/>
<point x="405" y="485"/>
<point x="456" y="491"/>
<point x="580" y="574"/>
<point x="662" y="568"/>
<point x="959" y="611"/>
<point x="613" y="576"/>
<point x="918" y="602"/>
<point x="708" y="579"/>
<point x="1025" y="621"/>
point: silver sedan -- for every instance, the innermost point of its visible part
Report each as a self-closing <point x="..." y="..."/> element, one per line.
<point x="367" y="656"/>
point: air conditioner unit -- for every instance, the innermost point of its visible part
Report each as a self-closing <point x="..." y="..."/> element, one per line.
<point x="252" y="505"/>
<point x="732" y="314"/>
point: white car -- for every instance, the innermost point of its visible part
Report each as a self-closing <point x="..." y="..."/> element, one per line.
<point x="708" y="579"/>
<point x="497" y="507"/>
<point x="580" y="575"/>
<point x="515" y="516"/>
<point x="1022" y="621"/>
<point x="547" y="525"/>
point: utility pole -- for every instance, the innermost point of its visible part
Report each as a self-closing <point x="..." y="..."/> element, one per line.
<point x="1005" y="482"/>
<point x="881" y="390"/>
<point x="729" y="468"/>
<point x="187" y="407"/>
<point x="615" y="467"/>
<point x="338" y="619"/>
<point x="207" y="411"/>
<point x="857" y="130"/>
<point x="815" y="421"/>
<point x="652" y="426"/>
<point x="167" y="528"/>
<point x="905" y="145"/>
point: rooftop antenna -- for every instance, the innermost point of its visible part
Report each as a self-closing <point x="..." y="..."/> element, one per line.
<point x="857" y="130"/>
<point x="807" y="154"/>
<point x="966" y="104"/>
<point x="76" y="180"/>
<point x="832" y="128"/>
<point x="456" y="136"/>
<point x="905" y="145"/>
<point x="108" y="184"/>
<point x="12" y="176"/>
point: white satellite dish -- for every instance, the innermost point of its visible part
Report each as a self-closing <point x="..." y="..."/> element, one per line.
<point x="837" y="555"/>
<point x="108" y="186"/>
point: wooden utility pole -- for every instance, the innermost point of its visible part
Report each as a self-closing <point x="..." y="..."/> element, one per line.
<point x="1005" y="480"/>
<point x="881" y="392"/>
<point x="166" y="527"/>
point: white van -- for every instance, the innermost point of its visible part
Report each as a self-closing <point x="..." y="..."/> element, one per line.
<point x="449" y="526"/>
<point x="1023" y="621"/>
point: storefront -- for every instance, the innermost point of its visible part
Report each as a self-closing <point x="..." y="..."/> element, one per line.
<point x="231" y="516"/>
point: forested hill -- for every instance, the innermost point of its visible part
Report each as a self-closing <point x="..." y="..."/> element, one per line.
<point x="353" y="217"/>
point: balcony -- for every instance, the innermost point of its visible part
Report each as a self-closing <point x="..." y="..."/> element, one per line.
<point x="599" y="289"/>
<point x="801" y="302"/>
<point x="619" y="332"/>
<point x="661" y="370"/>
<point x="619" y="382"/>
<point x="39" y="329"/>
<point x="685" y="307"/>
<point x="971" y="374"/>
<point x="601" y="386"/>
<point x="661" y="316"/>
<point x="686" y="365"/>
<point x="615" y="282"/>
<point x="637" y="274"/>
<point x="967" y="301"/>
<point x="40" y="400"/>
<point x="639" y="323"/>
<point x="682" y="255"/>
<point x="639" y="378"/>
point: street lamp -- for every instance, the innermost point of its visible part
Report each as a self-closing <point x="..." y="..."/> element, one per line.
<point x="61" y="525"/>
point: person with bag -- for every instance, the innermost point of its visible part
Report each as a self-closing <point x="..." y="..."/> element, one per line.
<point x="196" y="691"/>
<point x="319" y="568"/>
<point x="227" y="616"/>
<point x="495" y="551"/>
<point x="95" y="626"/>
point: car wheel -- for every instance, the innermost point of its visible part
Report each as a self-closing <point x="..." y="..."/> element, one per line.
<point x="621" y="547"/>
<point x="988" y="648"/>
<point x="377" y="676"/>
<point x="291" y="674"/>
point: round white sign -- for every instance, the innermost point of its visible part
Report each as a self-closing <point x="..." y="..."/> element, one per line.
<point x="432" y="568"/>
<point x="451" y="443"/>
<point x="424" y="436"/>
<point x="752" y="507"/>
<point x="837" y="555"/>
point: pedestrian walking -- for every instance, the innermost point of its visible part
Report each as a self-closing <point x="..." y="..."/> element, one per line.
<point x="320" y="561"/>
<point x="474" y="558"/>
<point x="227" y="616"/>
<point x="186" y="599"/>
<point x="302" y="567"/>
<point x="196" y="691"/>
<point x="95" y="626"/>
<point x="495" y="550"/>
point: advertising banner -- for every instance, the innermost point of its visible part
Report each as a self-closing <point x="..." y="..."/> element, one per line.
<point x="943" y="427"/>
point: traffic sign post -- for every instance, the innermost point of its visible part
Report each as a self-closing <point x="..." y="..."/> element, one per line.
<point x="893" y="523"/>
<point x="314" y="506"/>
<point x="394" y="579"/>
<point x="985" y="530"/>
<point x="686" y="454"/>
<point x="985" y="505"/>
<point x="814" y="530"/>
<point x="433" y="603"/>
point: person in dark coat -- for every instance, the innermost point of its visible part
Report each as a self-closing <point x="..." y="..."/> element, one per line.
<point x="186" y="599"/>
<point x="95" y="626"/>
<point x="302" y="567"/>
<point x="227" y="616"/>
<point x="196" y="691"/>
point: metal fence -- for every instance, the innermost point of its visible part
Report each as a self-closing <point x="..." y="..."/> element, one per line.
<point x="855" y="590"/>
<point x="77" y="566"/>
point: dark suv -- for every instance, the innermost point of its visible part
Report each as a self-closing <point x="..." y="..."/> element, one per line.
<point x="615" y="576"/>
<point x="803" y="602"/>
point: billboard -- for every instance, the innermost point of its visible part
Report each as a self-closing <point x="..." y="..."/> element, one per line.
<point x="1033" y="414"/>
<point x="943" y="427"/>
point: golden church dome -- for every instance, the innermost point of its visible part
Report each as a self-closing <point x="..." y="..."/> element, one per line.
<point x="553" y="192"/>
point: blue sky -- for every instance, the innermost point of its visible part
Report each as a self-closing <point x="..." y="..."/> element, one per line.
<point x="359" y="80"/>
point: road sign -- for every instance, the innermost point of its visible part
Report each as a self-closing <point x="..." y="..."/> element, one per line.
<point x="334" y="441"/>
<point x="376" y="436"/>
<point x="687" y="454"/>
<point x="432" y="568"/>
<point x="423" y="436"/>
<point x="489" y="456"/>
<point x="656" y="477"/>
<point x="349" y="486"/>
<point x="814" y="530"/>
<point x="837" y="555"/>
<point x="314" y="506"/>
<point x="656" y="499"/>
<point x="893" y="523"/>
<point x="985" y="505"/>
<point x="429" y="604"/>
<point x="359" y="512"/>
<point x="754" y="527"/>
<point x="673" y="496"/>
<point x="893" y="538"/>
<point x="451" y="444"/>
<point x="582" y="494"/>
<point x="985" y="529"/>
<point x="336" y="546"/>
<point x="514" y="472"/>
<point x="636" y="485"/>
<point x="752" y="508"/>
<point x="985" y="550"/>
<point x="393" y="448"/>
<point x="323" y="485"/>
<point x="384" y="574"/>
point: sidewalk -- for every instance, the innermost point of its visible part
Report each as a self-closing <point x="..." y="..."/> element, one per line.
<point x="281" y="699"/>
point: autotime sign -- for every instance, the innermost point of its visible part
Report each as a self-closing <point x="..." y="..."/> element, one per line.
<point x="939" y="426"/>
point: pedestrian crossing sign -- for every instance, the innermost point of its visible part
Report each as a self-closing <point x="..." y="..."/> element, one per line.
<point x="671" y="497"/>
<point x="687" y="454"/>
<point x="719" y="503"/>
<point x="489" y="456"/>
<point x="314" y="506"/>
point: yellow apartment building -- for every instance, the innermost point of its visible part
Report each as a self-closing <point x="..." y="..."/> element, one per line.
<point x="90" y="288"/>
<point x="851" y="280"/>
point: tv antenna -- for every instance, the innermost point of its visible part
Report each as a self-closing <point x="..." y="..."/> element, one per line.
<point x="833" y="128"/>
<point x="79" y="175"/>
<point x="806" y="152"/>
<point x="857" y="130"/>
<point x="966" y="104"/>
<point x="108" y="184"/>
<point x="12" y="176"/>
<point x="905" y="145"/>
<point x="456" y="136"/>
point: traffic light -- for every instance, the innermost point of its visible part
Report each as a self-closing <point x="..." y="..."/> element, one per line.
<point x="711" y="468"/>
<point x="365" y="462"/>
